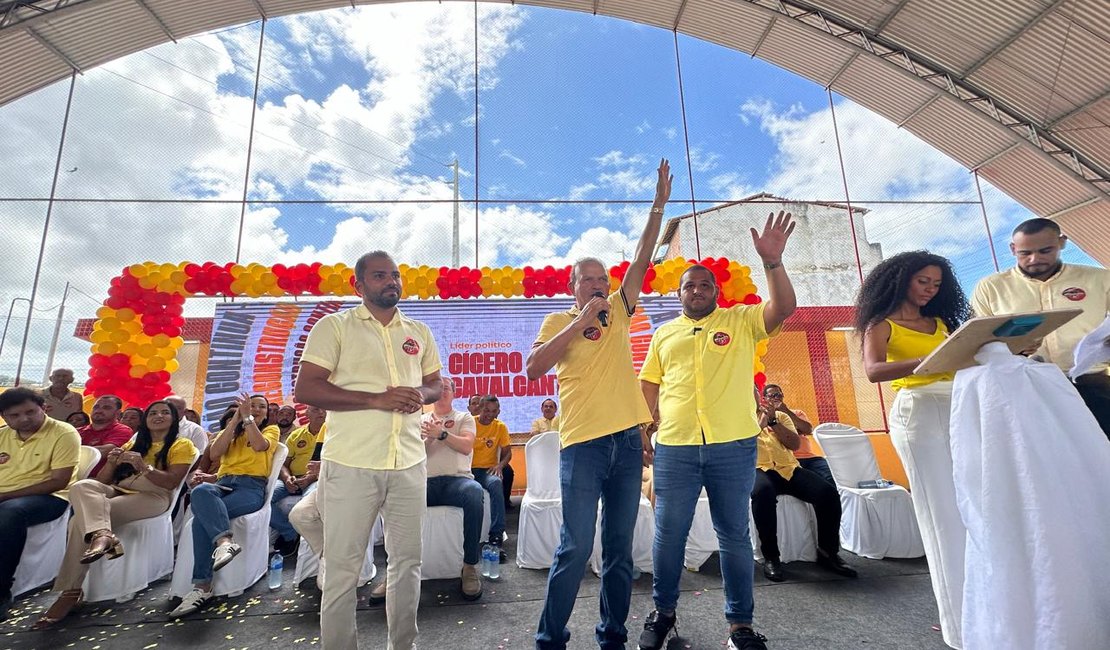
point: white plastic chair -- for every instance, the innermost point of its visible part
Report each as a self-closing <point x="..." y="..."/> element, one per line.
<point x="308" y="562"/>
<point x="541" y="509"/>
<point x="643" y="538"/>
<point x="148" y="556"/>
<point x="876" y="522"/>
<point x="797" y="533"/>
<point x="441" y="553"/>
<point x="251" y="531"/>
<point x="46" y="543"/>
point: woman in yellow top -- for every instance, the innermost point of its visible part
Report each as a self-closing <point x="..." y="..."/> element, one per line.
<point x="906" y="307"/>
<point x="245" y="450"/>
<point x="138" y="481"/>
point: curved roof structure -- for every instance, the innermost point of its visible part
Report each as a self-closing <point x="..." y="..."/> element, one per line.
<point x="1018" y="90"/>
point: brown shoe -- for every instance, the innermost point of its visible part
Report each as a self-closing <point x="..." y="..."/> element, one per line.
<point x="68" y="601"/>
<point x="104" y="542"/>
<point x="471" y="582"/>
<point x="377" y="594"/>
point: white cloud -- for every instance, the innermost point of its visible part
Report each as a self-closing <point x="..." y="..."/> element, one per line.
<point x="508" y="155"/>
<point x="643" y="127"/>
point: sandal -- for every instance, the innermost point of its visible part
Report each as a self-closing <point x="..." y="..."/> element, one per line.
<point x="68" y="601"/>
<point x="104" y="542"/>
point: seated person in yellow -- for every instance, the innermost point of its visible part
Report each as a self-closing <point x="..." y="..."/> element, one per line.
<point x="549" y="421"/>
<point x="807" y="458"/>
<point x="245" y="449"/>
<point x="778" y="472"/>
<point x="491" y="457"/>
<point x="298" y="478"/>
<point x="137" y="481"/>
<point x="37" y="457"/>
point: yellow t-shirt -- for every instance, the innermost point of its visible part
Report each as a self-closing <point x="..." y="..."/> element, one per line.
<point x="705" y="372"/>
<point x="241" y="460"/>
<point x="598" y="393"/>
<point x="543" y="425"/>
<point x="182" y="452"/>
<point x="301" y="443"/>
<point x="1075" y="285"/>
<point x="905" y="343"/>
<point x="488" y="438"/>
<point x="23" y="463"/>
<point x="772" y="455"/>
<point x="364" y="355"/>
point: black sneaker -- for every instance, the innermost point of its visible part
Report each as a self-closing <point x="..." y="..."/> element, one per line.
<point x="656" y="630"/>
<point x="773" y="571"/>
<point x="746" y="639"/>
<point x="836" y="564"/>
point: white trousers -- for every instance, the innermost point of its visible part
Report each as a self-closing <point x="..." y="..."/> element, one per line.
<point x="919" y="432"/>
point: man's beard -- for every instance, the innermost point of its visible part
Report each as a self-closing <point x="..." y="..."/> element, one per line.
<point x="1047" y="273"/>
<point x="385" y="302"/>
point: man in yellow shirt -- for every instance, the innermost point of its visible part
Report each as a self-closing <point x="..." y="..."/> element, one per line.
<point x="699" y="378"/>
<point x="373" y="369"/>
<point x="778" y="472"/>
<point x="549" y="421"/>
<point x="492" y="452"/>
<point x="296" y="480"/>
<point x="37" y="457"/>
<point x="1040" y="281"/>
<point x="601" y="453"/>
<point x="807" y="458"/>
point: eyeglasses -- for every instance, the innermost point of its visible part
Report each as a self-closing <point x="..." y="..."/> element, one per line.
<point x="774" y="395"/>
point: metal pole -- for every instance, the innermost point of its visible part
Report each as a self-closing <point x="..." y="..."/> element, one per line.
<point x="250" y="144"/>
<point x="54" y="341"/>
<point x="4" y="336"/>
<point x="45" y="228"/>
<point x="986" y="221"/>
<point x="455" y="222"/>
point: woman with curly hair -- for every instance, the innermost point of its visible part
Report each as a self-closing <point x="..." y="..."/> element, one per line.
<point x="138" y="481"/>
<point x="906" y="307"/>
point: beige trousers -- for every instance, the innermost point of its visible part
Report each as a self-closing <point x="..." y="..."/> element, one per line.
<point x="97" y="506"/>
<point x="305" y="518"/>
<point x="349" y="502"/>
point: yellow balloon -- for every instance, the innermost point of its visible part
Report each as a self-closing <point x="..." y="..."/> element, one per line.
<point x="110" y="324"/>
<point x="155" y="364"/>
<point x="166" y="352"/>
<point x="100" y="336"/>
<point x="137" y="270"/>
<point x="106" y="348"/>
<point x="119" y="336"/>
<point x="137" y="371"/>
<point x="147" y="350"/>
<point x="171" y="366"/>
<point x="126" y="315"/>
<point x="176" y="342"/>
<point x="129" y="348"/>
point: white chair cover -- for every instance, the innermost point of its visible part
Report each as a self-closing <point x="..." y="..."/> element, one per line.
<point x="797" y="533"/>
<point x="251" y="531"/>
<point x="643" y="537"/>
<point x="308" y="563"/>
<point x="441" y="554"/>
<point x="875" y="522"/>
<point x="46" y="543"/>
<point x="147" y="557"/>
<point x="541" y="509"/>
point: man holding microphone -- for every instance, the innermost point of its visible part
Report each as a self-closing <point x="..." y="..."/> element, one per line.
<point x="602" y="449"/>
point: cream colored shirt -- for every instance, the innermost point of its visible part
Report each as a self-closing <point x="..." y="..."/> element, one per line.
<point x="443" y="460"/>
<point x="364" y="355"/>
<point x="1074" y="285"/>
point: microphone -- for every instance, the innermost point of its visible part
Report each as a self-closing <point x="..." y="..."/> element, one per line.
<point x="603" y="315"/>
<point x="696" y="330"/>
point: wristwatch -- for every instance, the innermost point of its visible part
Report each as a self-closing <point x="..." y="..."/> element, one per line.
<point x="772" y="422"/>
<point x="443" y="435"/>
<point x="250" y="418"/>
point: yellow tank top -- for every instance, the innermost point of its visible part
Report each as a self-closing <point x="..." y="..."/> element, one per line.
<point x="905" y="344"/>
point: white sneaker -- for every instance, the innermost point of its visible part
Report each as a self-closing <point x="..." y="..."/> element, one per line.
<point x="223" y="554"/>
<point x="191" y="603"/>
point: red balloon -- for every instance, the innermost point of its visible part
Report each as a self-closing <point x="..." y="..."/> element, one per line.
<point x="444" y="294"/>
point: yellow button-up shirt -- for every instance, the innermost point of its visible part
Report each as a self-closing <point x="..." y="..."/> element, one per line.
<point x="1074" y="285"/>
<point x="705" y="370"/>
<point x="772" y="455"/>
<point x="364" y="355"/>
<point x="23" y="463"/>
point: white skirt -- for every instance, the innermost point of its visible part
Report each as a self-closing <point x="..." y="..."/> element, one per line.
<point x="919" y="432"/>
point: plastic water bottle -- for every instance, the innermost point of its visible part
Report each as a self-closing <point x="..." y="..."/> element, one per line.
<point x="274" y="576"/>
<point x="485" y="560"/>
<point x="494" y="562"/>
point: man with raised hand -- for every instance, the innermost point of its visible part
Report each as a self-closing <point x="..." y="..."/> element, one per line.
<point x="600" y="433"/>
<point x="373" y="369"/>
<point x="699" y="377"/>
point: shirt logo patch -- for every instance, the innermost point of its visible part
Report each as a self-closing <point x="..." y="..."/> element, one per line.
<point x="448" y="424"/>
<point x="410" y="346"/>
<point x="721" y="338"/>
<point x="1075" y="294"/>
<point x="489" y="443"/>
<point x="592" y="333"/>
<point x="4" y="458"/>
<point x="301" y="444"/>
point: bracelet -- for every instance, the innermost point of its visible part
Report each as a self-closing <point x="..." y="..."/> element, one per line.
<point x="657" y="210"/>
<point x="772" y="265"/>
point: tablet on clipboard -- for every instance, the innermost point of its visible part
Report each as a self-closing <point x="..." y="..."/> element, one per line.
<point x="1017" y="331"/>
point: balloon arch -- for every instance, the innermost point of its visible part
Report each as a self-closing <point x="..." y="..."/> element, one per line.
<point x="137" y="331"/>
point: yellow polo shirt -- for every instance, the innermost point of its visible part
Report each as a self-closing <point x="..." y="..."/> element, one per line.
<point x="241" y="460"/>
<point x="772" y="455"/>
<point x="543" y="425"/>
<point x="181" y="452"/>
<point x="1074" y="285"/>
<point x="598" y="393"/>
<point x="301" y="444"/>
<point x="25" y="462"/>
<point x="705" y="371"/>
<point x="364" y="355"/>
<point x="488" y="440"/>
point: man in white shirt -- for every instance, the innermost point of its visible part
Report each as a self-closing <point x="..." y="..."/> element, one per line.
<point x="187" y="428"/>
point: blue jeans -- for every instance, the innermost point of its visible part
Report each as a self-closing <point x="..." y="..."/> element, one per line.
<point x="495" y="487"/>
<point x="610" y="469"/>
<point x="280" y="506"/>
<point x="465" y="493"/>
<point x="819" y="466"/>
<point x="16" y="516"/>
<point x="727" y="471"/>
<point x="213" y="510"/>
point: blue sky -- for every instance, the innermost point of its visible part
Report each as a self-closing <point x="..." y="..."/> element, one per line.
<point x="370" y="104"/>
